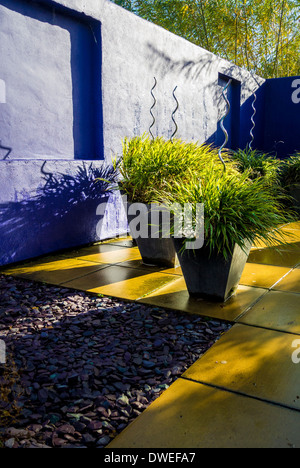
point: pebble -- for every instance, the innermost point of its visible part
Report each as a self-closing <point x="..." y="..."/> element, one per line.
<point x="88" y="366"/>
<point x="9" y="443"/>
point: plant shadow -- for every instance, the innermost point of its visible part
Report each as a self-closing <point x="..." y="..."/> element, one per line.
<point x="62" y="212"/>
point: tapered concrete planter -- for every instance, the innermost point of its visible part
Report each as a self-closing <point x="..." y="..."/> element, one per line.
<point x="158" y="252"/>
<point x="154" y="249"/>
<point x="211" y="276"/>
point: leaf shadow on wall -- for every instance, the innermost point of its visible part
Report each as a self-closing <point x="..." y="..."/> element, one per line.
<point x="62" y="213"/>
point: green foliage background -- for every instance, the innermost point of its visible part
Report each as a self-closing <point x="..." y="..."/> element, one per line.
<point x="260" y="35"/>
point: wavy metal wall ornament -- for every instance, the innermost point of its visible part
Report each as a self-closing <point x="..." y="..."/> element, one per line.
<point x="152" y="107"/>
<point x="222" y="123"/>
<point x="173" y="114"/>
<point x="253" y="122"/>
<point x="6" y="148"/>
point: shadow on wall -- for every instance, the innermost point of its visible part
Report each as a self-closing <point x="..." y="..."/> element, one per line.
<point x="194" y="70"/>
<point x="277" y="118"/>
<point x="61" y="214"/>
<point x="58" y="54"/>
<point x="238" y="123"/>
<point x="282" y="122"/>
<point x="191" y="70"/>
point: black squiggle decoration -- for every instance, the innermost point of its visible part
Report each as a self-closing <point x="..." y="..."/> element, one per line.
<point x="222" y="123"/>
<point x="152" y="107"/>
<point x="252" y="120"/>
<point x="173" y="114"/>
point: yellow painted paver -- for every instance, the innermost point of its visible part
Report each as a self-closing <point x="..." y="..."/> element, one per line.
<point x="271" y="256"/>
<point x="262" y="276"/>
<point x="151" y="268"/>
<point x="290" y="240"/>
<point x="190" y="415"/>
<point x="290" y="283"/>
<point x="121" y="241"/>
<point x="106" y="253"/>
<point x="295" y="225"/>
<point x="175" y="296"/>
<point x="173" y="271"/>
<point x="277" y="310"/>
<point x="121" y="282"/>
<point x="54" y="271"/>
<point x="253" y="361"/>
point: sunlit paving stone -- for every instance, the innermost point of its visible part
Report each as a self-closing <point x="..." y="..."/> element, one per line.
<point x="290" y="283"/>
<point x="121" y="241"/>
<point x="252" y="361"/>
<point x="191" y="415"/>
<point x="126" y="283"/>
<point x="290" y="240"/>
<point x="108" y="253"/>
<point x="295" y="225"/>
<point x="54" y="271"/>
<point x="147" y="267"/>
<point x="277" y="310"/>
<point x="286" y="257"/>
<point x="175" y="296"/>
<point x="263" y="276"/>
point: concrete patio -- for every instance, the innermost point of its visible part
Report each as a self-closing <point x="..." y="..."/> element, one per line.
<point x="244" y="391"/>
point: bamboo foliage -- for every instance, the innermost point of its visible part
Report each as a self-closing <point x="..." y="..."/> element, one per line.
<point x="260" y="35"/>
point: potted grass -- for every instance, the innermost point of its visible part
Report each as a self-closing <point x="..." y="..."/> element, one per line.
<point x="258" y="165"/>
<point x="237" y="212"/>
<point x="290" y="179"/>
<point x="147" y="167"/>
<point x="271" y="170"/>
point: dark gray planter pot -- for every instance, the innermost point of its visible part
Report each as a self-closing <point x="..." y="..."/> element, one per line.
<point x="157" y="251"/>
<point x="211" y="276"/>
<point x="295" y="194"/>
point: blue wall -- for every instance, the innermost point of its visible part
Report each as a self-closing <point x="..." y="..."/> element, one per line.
<point x="247" y="112"/>
<point x="232" y="122"/>
<point x="276" y="118"/>
<point x="51" y="206"/>
<point x="282" y="116"/>
<point x="239" y="123"/>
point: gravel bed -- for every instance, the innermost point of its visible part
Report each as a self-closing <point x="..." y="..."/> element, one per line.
<point x="86" y="366"/>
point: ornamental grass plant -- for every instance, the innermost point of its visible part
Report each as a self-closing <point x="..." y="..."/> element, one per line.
<point x="237" y="209"/>
<point x="258" y="165"/>
<point x="290" y="181"/>
<point x="150" y="166"/>
<point x="290" y="171"/>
